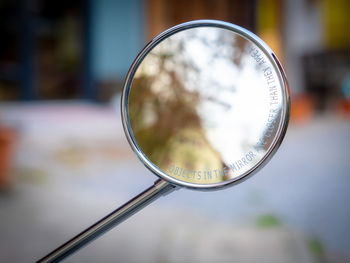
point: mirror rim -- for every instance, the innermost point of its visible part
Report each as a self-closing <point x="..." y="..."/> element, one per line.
<point x="285" y="103"/>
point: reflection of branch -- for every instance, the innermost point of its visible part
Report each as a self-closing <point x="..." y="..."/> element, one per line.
<point x="163" y="105"/>
<point x="217" y="101"/>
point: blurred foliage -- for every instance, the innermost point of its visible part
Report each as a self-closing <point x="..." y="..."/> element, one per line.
<point x="316" y="247"/>
<point x="268" y="221"/>
<point x="32" y="175"/>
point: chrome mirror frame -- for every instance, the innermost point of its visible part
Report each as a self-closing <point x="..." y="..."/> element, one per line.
<point x="277" y="138"/>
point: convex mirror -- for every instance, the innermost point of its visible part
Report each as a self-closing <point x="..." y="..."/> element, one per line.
<point x="205" y="104"/>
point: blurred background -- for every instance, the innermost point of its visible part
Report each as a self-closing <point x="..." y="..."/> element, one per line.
<point x="64" y="161"/>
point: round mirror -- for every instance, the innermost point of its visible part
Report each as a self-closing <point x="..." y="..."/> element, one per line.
<point x="205" y="104"/>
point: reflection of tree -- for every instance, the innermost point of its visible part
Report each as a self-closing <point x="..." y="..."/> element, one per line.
<point x="234" y="46"/>
<point x="163" y="109"/>
<point x="153" y="137"/>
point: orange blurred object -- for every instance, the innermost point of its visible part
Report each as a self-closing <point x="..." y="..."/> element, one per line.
<point x="7" y="143"/>
<point x="302" y="108"/>
<point x="343" y="107"/>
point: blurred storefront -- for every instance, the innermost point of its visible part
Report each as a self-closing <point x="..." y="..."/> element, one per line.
<point x="82" y="49"/>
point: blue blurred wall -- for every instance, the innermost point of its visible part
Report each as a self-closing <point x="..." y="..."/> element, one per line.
<point x="117" y="36"/>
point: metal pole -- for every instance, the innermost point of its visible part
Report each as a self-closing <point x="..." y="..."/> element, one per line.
<point x="159" y="188"/>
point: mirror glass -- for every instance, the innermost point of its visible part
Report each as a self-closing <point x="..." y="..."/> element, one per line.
<point x="206" y="105"/>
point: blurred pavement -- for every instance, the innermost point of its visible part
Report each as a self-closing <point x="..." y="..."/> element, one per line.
<point x="73" y="166"/>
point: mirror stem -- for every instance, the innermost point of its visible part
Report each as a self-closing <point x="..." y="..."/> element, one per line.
<point x="159" y="188"/>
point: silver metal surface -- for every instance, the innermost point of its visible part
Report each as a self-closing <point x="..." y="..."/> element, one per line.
<point x="159" y="188"/>
<point x="163" y="72"/>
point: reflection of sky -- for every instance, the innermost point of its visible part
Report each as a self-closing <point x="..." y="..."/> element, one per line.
<point x="235" y="129"/>
<point x="235" y="102"/>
